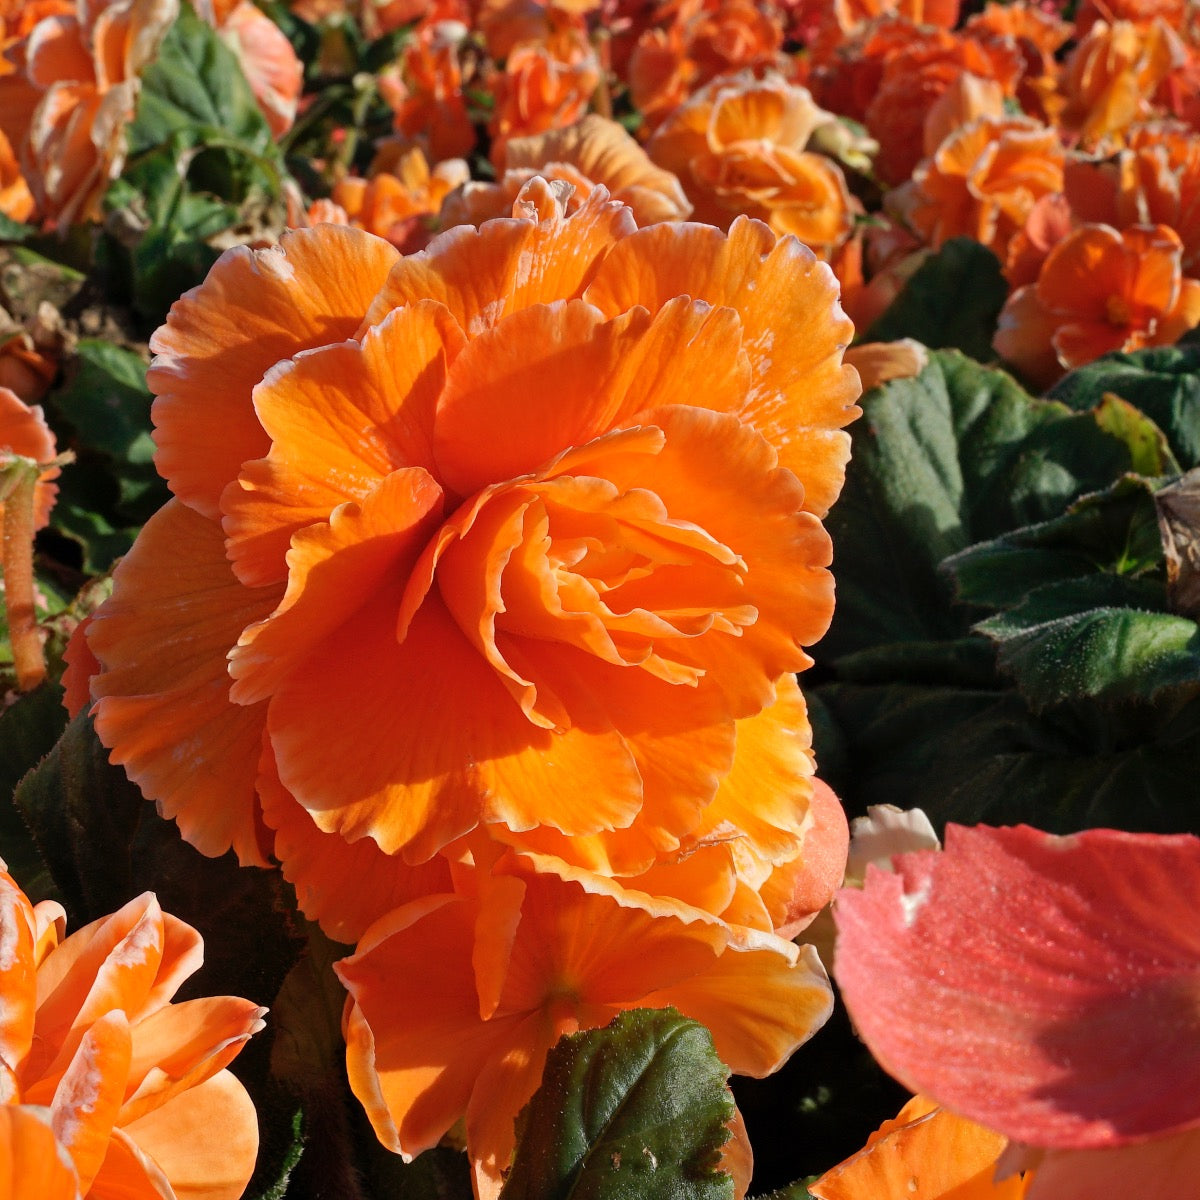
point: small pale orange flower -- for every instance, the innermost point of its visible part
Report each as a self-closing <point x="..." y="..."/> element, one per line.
<point x="593" y="151"/>
<point x="738" y="146"/>
<point x="16" y="200"/>
<point x="66" y="111"/>
<point x="984" y="180"/>
<point x="108" y="1088"/>
<point x="525" y="957"/>
<point x="516" y="536"/>
<point x="1099" y="290"/>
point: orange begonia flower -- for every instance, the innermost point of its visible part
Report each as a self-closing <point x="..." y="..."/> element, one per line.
<point x="16" y="200"/>
<point x="1043" y="986"/>
<point x="131" y="1088"/>
<point x="1110" y="78"/>
<point x="67" y="109"/>
<point x="525" y="957"/>
<point x="517" y="534"/>
<point x="1155" y="180"/>
<point x="593" y="151"/>
<point x="984" y="180"/>
<point x="1099" y="290"/>
<point x="399" y="206"/>
<point x="544" y="85"/>
<point x="738" y="147"/>
<point x="704" y="39"/>
<point x="926" y="1153"/>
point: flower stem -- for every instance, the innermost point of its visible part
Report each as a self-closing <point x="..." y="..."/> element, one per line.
<point x="28" y="659"/>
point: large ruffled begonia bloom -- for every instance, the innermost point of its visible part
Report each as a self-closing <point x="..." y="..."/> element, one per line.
<point x="1045" y="987"/>
<point x="66" y="109"/>
<point x="518" y="534"/>
<point x="925" y="1153"/>
<point x="527" y="956"/>
<point x="1099" y="290"/>
<point x="738" y="146"/>
<point x="108" y="1088"/>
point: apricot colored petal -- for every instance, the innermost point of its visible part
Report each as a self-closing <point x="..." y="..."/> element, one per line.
<point x="1024" y="337"/>
<point x="335" y="568"/>
<point x="765" y="795"/>
<point x="878" y="362"/>
<point x="1025" y="980"/>
<point x="341" y="418"/>
<point x="255" y="308"/>
<point x="721" y="475"/>
<point x="18" y="976"/>
<point x="794" y="332"/>
<point x="931" y="1157"/>
<point x="33" y="1166"/>
<point x="559" y="375"/>
<point x="1082" y="272"/>
<point x="1184" y="316"/>
<point x="344" y="886"/>
<point x="796" y="891"/>
<point x="275" y="74"/>
<point x="1163" y="1167"/>
<point x="56" y="51"/>
<point x="205" y="1140"/>
<point x="427" y="1043"/>
<point x="1080" y="342"/>
<point x="89" y="1094"/>
<point x="24" y="431"/>
<point x="81" y="665"/>
<point x="482" y="275"/>
<point x="701" y="876"/>
<point x="180" y="1046"/>
<point x="1157" y="252"/>
<point x="166" y="715"/>
<point x="446" y="749"/>
<point x="505" y="1085"/>
<point x="129" y="1174"/>
<point x="761" y="999"/>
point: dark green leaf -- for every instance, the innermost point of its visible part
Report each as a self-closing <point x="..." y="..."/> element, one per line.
<point x="107" y="402"/>
<point x="1162" y="381"/>
<point x="1115" y="531"/>
<point x="196" y="87"/>
<point x="1100" y="636"/>
<point x="954" y="456"/>
<point x="14" y="231"/>
<point x="952" y="302"/>
<point x="637" y="1110"/>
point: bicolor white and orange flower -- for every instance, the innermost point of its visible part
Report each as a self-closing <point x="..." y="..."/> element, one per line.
<point x="108" y="1088"/>
<point x="1044" y="987"/>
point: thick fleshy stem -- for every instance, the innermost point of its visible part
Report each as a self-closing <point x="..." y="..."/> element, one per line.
<point x="18" y="485"/>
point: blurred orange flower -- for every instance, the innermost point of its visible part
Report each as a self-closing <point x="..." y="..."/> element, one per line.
<point x="592" y="151"/>
<point x="926" y="1153"/>
<point x="67" y="109"/>
<point x="1099" y="290"/>
<point x="525" y="957"/>
<point x="984" y="180"/>
<point x="16" y="200"/>
<point x="527" y="540"/>
<point x="401" y="207"/>
<point x="110" y="1089"/>
<point x="738" y="148"/>
<point x="544" y="85"/>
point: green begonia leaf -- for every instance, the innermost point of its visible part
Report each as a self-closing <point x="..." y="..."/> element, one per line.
<point x="637" y="1110"/>
<point x="1114" y="531"/>
<point x="1162" y="381"/>
<point x="957" y="455"/>
<point x="952" y="301"/>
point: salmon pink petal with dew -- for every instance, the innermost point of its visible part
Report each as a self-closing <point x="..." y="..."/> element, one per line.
<point x="255" y="308"/>
<point x="1043" y="986"/>
<point x="167" y="716"/>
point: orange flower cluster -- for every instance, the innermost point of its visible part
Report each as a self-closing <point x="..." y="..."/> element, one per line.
<point x="108" y="1088"/>
<point x="479" y="607"/>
